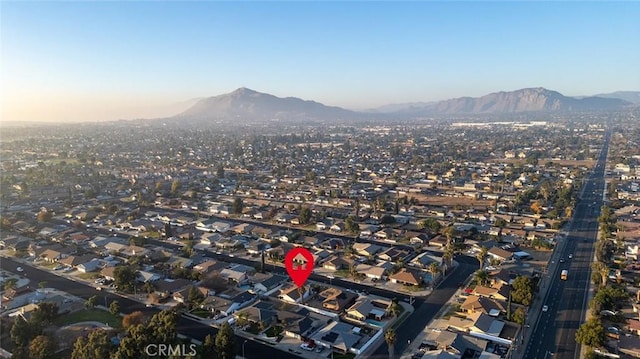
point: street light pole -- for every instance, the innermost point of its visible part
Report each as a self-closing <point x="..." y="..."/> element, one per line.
<point x="245" y="342"/>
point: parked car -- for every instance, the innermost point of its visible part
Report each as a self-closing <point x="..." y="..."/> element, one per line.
<point x="307" y="346"/>
<point x="20" y="269"/>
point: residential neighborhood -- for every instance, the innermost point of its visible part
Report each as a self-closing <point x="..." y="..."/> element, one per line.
<point x="175" y="230"/>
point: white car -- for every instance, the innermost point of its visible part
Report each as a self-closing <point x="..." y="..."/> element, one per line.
<point x="19" y="269"/>
<point x="545" y="308"/>
<point x="570" y="255"/>
<point x="306" y="346"/>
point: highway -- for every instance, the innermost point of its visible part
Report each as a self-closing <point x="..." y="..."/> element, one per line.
<point x="554" y="331"/>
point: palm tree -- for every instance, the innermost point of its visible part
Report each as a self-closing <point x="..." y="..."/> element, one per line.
<point x="482" y="255"/>
<point x="243" y="319"/>
<point x="448" y="232"/>
<point x="395" y="308"/>
<point x="447" y="257"/>
<point x="434" y="269"/>
<point x="390" y="337"/>
<point x="602" y="270"/>
<point x="481" y="277"/>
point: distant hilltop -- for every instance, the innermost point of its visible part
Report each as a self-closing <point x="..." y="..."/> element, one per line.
<point x="247" y="105"/>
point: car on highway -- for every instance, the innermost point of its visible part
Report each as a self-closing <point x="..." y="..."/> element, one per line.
<point x="570" y="256"/>
<point x="545" y="308"/>
<point x="561" y="260"/>
<point x="20" y="269"/>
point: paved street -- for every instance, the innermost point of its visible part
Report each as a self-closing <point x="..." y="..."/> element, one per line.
<point x="554" y="331"/>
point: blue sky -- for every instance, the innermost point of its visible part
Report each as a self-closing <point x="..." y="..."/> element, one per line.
<point x="74" y="61"/>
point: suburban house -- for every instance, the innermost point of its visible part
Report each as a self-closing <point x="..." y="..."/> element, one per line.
<point x="301" y="325"/>
<point x="267" y="283"/>
<point x="366" y="308"/>
<point x="499" y="254"/>
<point x="484" y="305"/>
<point x="337" y="336"/>
<point x="238" y="273"/>
<point x="336" y="263"/>
<point x="291" y="293"/>
<point x="335" y="299"/>
<point x="373" y="272"/>
<point x="367" y="249"/>
<point x="209" y="266"/>
<point x="406" y="277"/>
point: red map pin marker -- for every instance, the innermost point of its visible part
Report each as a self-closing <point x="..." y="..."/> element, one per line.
<point x="299" y="264"/>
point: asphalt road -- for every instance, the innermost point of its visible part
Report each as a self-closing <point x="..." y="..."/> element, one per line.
<point x="554" y="331"/>
<point x="427" y="310"/>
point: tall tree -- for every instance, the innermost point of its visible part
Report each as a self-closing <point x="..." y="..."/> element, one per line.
<point x="42" y="347"/>
<point x="45" y="313"/>
<point x="431" y="224"/>
<point x="447" y="257"/>
<point x="522" y="290"/>
<point x="390" y="337"/>
<point x="396" y="309"/>
<point x="237" y="206"/>
<point x="482" y="255"/>
<point x="194" y="297"/>
<point x="124" y="278"/>
<point x="602" y="271"/>
<point x="91" y="302"/>
<point x="114" y="307"/>
<point x="22" y="332"/>
<point x="96" y="345"/>
<point x="209" y="347"/>
<point x="175" y="186"/>
<point x="132" y="319"/>
<point x="163" y="326"/>
<point x="591" y="333"/>
<point x="226" y="342"/>
<point x="481" y="277"/>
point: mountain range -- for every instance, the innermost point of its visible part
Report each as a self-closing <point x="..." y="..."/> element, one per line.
<point x="248" y="105"/>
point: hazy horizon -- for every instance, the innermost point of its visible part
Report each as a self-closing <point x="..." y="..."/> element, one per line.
<point x="99" y="61"/>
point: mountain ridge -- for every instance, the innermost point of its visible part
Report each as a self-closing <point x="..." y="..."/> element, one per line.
<point x="249" y="105"/>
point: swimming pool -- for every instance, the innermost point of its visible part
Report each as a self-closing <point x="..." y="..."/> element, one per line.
<point x="374" y="323"/>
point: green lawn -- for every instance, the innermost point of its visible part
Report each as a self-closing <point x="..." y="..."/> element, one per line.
<point x="412" y="288"/>
<point x="202" y="313"/>
<point x="48" y="264"/>
<point x="90" y="315"/>
<point x="89" y="275"/>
